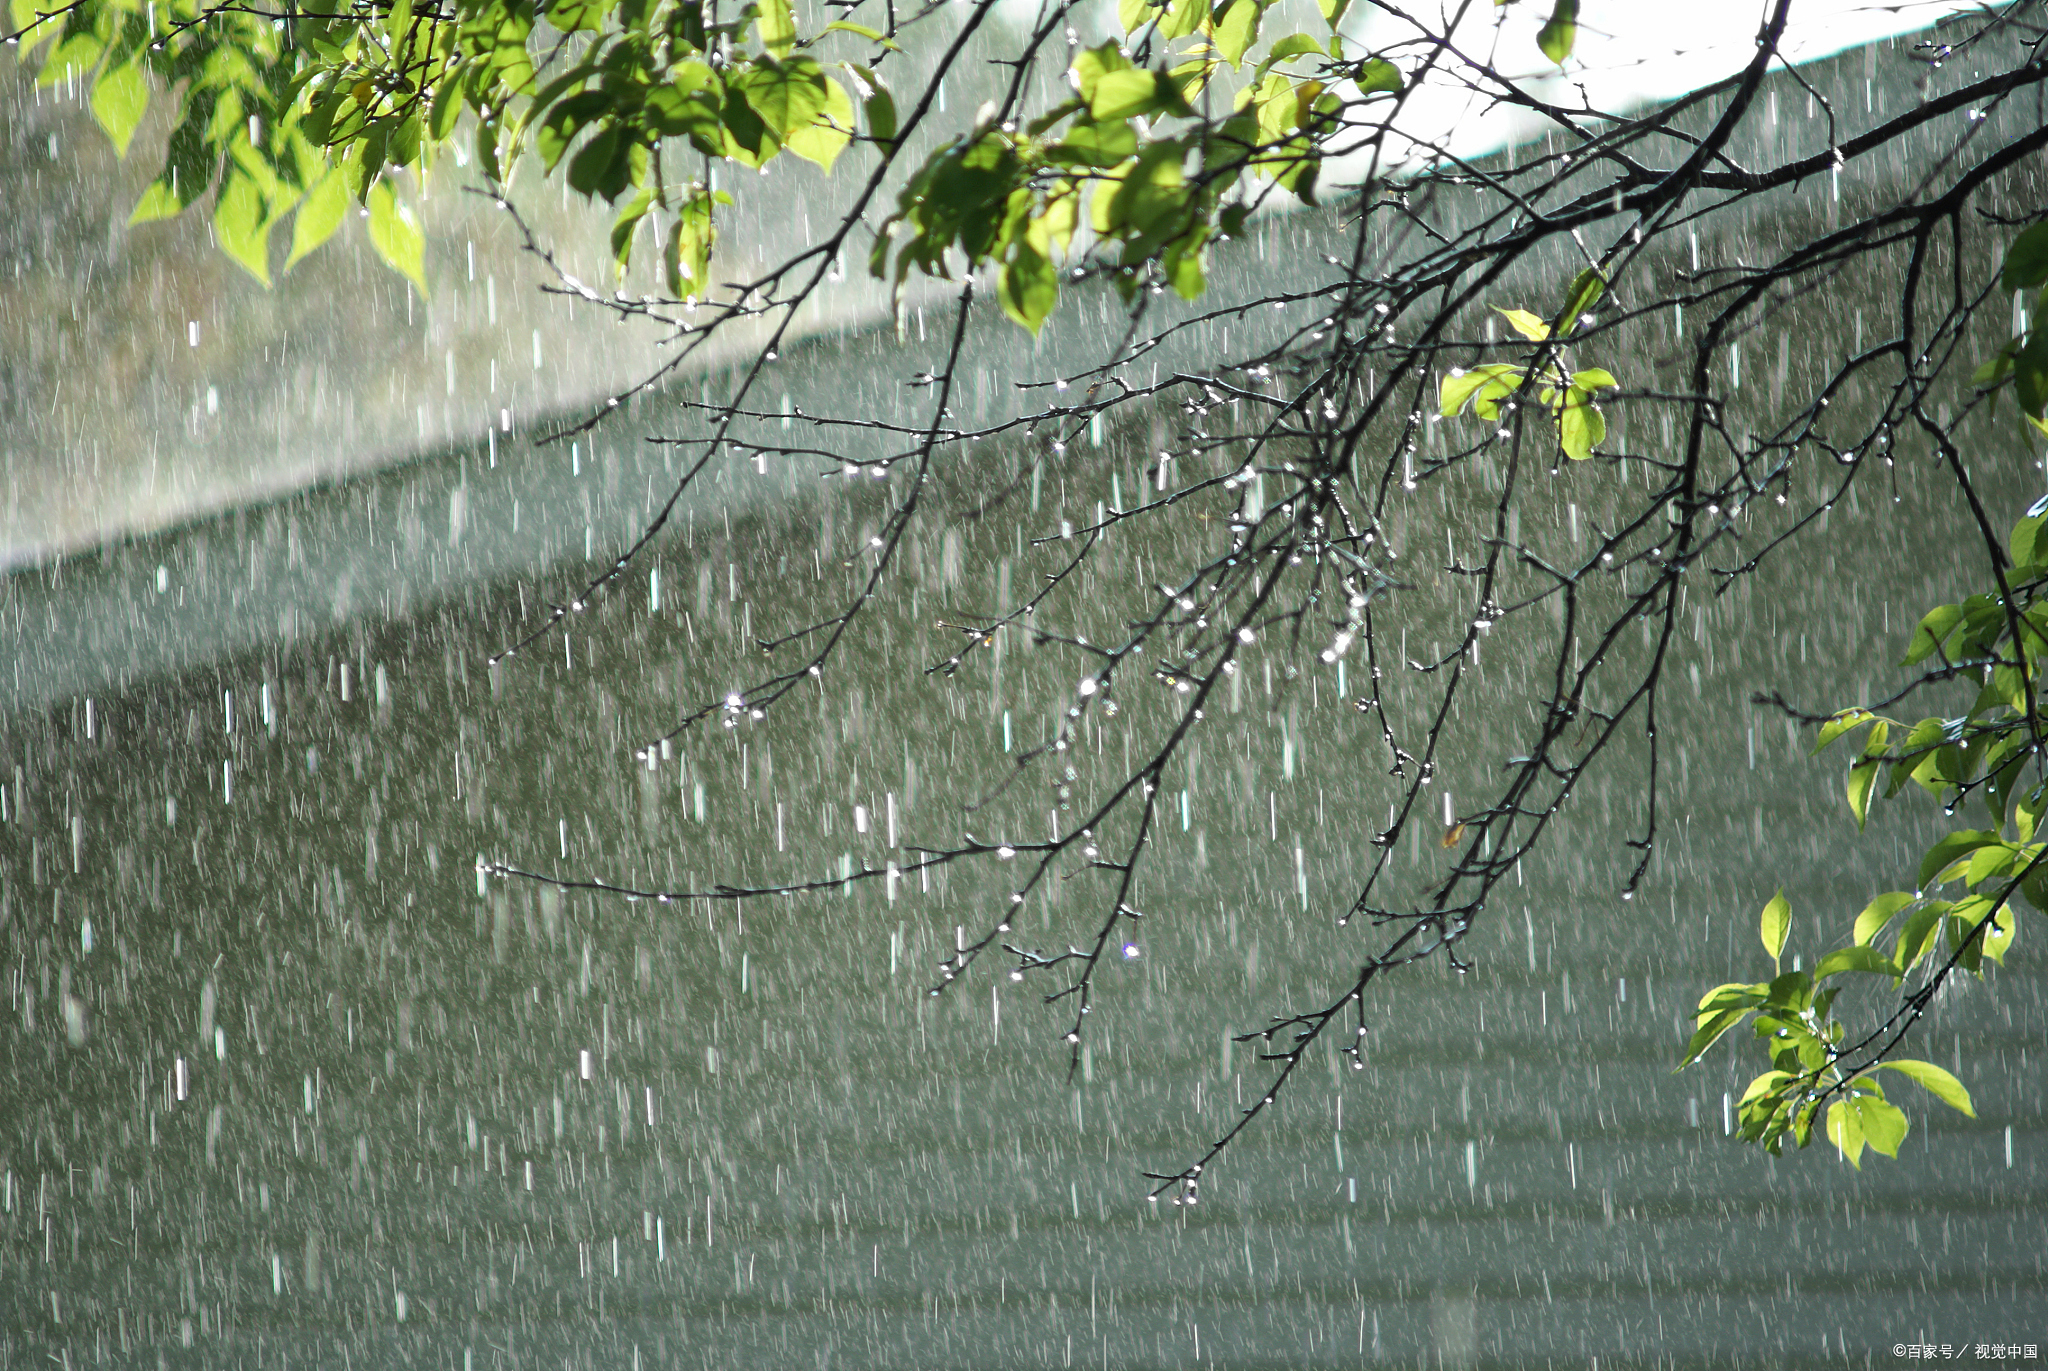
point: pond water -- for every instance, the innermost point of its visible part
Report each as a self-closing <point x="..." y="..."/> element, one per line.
<point x="286" y="1085"/>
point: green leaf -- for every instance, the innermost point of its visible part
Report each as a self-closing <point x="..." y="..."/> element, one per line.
<point x="674" y="111"/>
<point x="1854" y="959"/>
<point x="1845" y="1131"/>
<point x="1182" y="264"/>
<point x="190" y="164"/>
<point x="2020" y="544"/>
<point x="1884" y="1125"/>
<point x="76" y="53"/>
<point x="396" y="235"/>
<point x="603" y="166"/>
<point x="1792" y="991"/>
<point x="786" y="95"/>
<point x="241" y="225"/>
<point x="119" y="97"/>
<point x="1595" y="378"/>
<point x="1580" y="427"/>
<point x="830" y="130"/>
<point x="2026" y="261"/>
<point x="1950" y="849"/>
<point x="1777" y="922"/>
<point x="777" y="26"/>
<point x="1878" y="913"/>
<point x="1862" y="779"/>
<point x="1029" y="287"/>
<point x="1995" y="372"/>
<point x="1293" y="45"/>
<point x="1153" y="198"/>
<point x="1095" y="145"/>
<point x="1557" y="37"/>
<point x="1376" y="76"/>
<point x="1936" y="1082"/>
<point x="1585" y="291"/>
<point x="1092" y="64"/>
<point x="1333" y="11"/>
<point x="1934" y="630"/>
<point x="34" y="22"/>
<point x="1917" y="935"/>
<point x="1237" y="28"/>
<point x="1996" y="940"/>
<point x="1464" y="387"/>
<point x="688" y="252"/>
<point x="1710" y="1031"/>
<point x="627" y="225"/>
<point x="848" y="26"/>
<point x="1121" y="94"/>
<point x="1733" y="995"/>
<point x="880" y="107"/>
<point x="1183" y="17"/>
<point x="1841" y="723"/>
<point x="320" y="214"/>
<point x="1524" y="323"/>
<point x="1993" y="859"/>
<point x="2026" y="814"/>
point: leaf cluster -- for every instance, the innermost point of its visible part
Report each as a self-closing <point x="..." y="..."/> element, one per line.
<point x="1791" y="1016"/>
<point x="1566" y="394"/>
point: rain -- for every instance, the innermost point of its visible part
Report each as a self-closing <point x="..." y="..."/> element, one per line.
<point x="493" y="877"/>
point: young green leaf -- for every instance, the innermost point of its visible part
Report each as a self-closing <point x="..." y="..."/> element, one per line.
<point x="881" y="113"/>
<point x="396" y="235"/>
<point x="1936" y="1082"/>
<point x="1585" y="292"/>
<point x="1878" y="913"/>
<point x="1580" y="427"/>
<point x="1029" y="287"/>
<point x="830" y="130"/>
<point x="2026" y="261"/>
<point x="320" y="214"/>
<point x="777" y="26"/>
<point x="627" y="226"/>
<point x="1845" y="1131"/>
<point x="241" y="225"/>
<point x="848" y="26"/>
<point x="119" y="97"/>
<point x="1841" y="723"/>
<point x="1951" y="849"/>
<point x="1710" y="1031"/>
<point x="1376" y="76"/>
<point x="1237" y="28"/>
<point x="1458" y="389"/>
<point x="786" y="96"/>
<point x="1917" y="934"/>
<point x="1884" y="1125"/>
<point x="1733" y="995"/>
<point x="1862" y="779"/>
<point x="1524" y="323"/>
<point x="1293" y="45"/>
<point x="1998" y="938"/>
<point x="1557" y="37"/>
<point x="1121" y="94"/>
<point x="1777" y="922"/>
<point x="1854" y="959"/>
